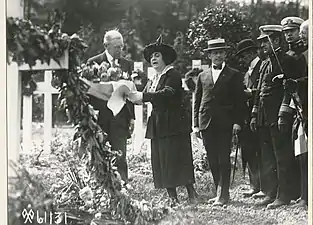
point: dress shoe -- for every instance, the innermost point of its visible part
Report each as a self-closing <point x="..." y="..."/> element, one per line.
<point x="277" y="203"/>
<point x="267" y="200"/>
<point x="212" y="200"/>
<point x="250" y="193"/>
<point x="302" y="203"/>
<point x="260" y="194"/>
<point x="220" y="202"/>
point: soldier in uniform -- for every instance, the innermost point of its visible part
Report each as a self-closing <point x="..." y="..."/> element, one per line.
<point x="251" y="150"/>
<point x="291" y="29"/>
<point x="296" y="99"/>
<point x="278" y="162"/>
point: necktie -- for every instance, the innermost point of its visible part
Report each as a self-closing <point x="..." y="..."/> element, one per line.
<point x="217" y="67"/>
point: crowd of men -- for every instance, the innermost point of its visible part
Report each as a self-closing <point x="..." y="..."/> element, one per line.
<point x="273" y="131"/>
<point x="267" y="109"/>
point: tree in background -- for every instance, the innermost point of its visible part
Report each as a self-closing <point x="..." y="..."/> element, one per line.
<point x="218" y="22"/>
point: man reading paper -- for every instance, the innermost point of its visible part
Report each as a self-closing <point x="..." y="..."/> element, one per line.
<point x="118" y="127"/>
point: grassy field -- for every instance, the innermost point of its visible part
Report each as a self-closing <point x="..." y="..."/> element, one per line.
<point x="50" y="169"/>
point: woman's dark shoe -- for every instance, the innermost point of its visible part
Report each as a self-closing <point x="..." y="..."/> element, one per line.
<point x="278" y="203"/>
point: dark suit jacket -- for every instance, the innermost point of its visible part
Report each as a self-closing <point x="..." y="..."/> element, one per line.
<point x="169" y="114"/>
<point x="121" y="121"/>
<point x="222" y="102"/>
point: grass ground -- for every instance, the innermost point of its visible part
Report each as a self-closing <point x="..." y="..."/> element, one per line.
<point x="50" y="169"/>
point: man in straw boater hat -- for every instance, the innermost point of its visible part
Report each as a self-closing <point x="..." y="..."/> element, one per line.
<point x="218" y="107"/>
<point x="279" y="173"/>
<point x="247" y="53"/>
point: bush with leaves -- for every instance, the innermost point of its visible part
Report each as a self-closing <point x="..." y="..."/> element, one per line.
<point x="221" y="21"/>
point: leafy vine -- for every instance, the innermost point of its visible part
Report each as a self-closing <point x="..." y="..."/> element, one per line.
<point x="28" y="43"/>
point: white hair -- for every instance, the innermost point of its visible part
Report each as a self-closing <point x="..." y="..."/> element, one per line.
<point x="111" y="35"/>
<point x="304" y="25"/>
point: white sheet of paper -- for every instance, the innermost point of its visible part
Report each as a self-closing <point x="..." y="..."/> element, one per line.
<point x="117" y="100"/>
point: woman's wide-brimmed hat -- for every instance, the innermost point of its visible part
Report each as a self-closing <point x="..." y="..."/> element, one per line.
<point x="167" y="51"/>
<point x="245" y="45"/>
<point x="218" y="43"/>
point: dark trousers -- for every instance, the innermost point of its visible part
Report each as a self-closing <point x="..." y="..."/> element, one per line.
<point x="118" y="133"/>
<point x="268" y="170"/>
<point x="251" y="154"/>
<point x="217" y="143"/>
<point x="303" y="159"/>
<point x="119" y="143"/>
<point x="285" y="174"/>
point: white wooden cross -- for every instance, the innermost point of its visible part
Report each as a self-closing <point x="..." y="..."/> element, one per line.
<point x="46" y="89"/>
<point x="15" y="8"/>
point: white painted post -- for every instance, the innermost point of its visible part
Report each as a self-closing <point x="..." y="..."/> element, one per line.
<point x="195" y="64"/>
<point x="138" y="129"/>
<point x="47" y="114"/>
<point x="14" y="8"/>
<point x="13" y="112"/>
<point x="27" y="123"/>
<point x="151" y="74"/>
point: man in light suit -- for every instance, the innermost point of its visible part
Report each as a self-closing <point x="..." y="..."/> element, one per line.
<point x="218" y="110"/>
<point x="119" y="127"/>
<point x="251" y="150"/>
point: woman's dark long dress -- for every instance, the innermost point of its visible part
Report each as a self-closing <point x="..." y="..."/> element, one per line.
<point x="169" y="128"/>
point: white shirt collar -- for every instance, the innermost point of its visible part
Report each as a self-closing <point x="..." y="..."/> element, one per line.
<point x="157" y="78"/>
<point x="223" y="65"/>
<point x="109" y="57"/>
<point x="254" y="62"/>
<point x="167" y="68"/>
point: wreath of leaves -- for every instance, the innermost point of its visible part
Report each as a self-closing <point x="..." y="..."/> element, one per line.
<point x="28" y="43"/>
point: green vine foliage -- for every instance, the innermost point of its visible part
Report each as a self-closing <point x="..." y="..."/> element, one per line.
<point x="28" y="43"/>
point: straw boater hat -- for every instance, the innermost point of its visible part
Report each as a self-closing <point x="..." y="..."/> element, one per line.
<point x="268" y="30"/>
<point x="245" y="45"/>
<point x="218" y="43"/>
<point x="167" y="51"/>
<point x="291" y="22"/>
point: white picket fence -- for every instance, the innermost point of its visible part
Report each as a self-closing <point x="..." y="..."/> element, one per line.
<point x="46" y="89"/>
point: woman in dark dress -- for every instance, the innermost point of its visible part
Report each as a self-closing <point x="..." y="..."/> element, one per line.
<point x="169" y="124"/>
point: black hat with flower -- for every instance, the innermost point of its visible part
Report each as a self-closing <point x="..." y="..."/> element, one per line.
<point x="169" y="54"/>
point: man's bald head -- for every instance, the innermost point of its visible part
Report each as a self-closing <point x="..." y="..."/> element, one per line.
<point x="304" y="31"/>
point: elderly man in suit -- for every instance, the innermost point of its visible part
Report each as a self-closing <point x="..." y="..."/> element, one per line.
<point x="119" y="127"/>
<point x="251" y="149"/>
<point x="218" y="110"/>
